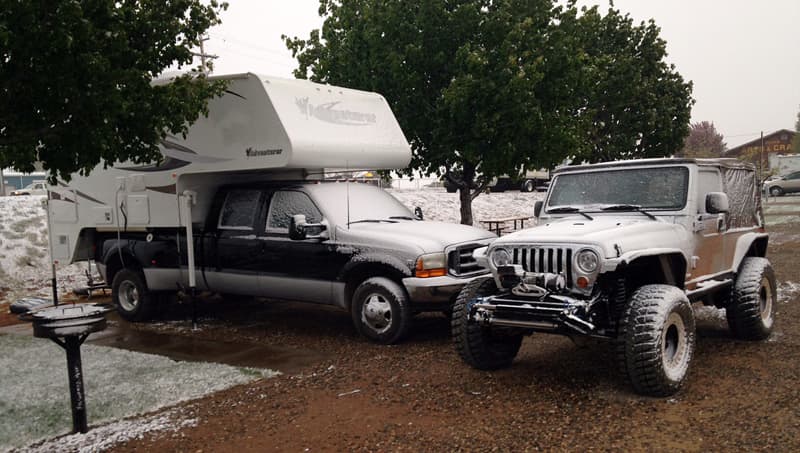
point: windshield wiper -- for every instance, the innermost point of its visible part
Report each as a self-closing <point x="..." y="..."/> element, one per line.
<point x="372" y="221"/>
<point x="628" y="207"/>
<point x="557" y="209"/>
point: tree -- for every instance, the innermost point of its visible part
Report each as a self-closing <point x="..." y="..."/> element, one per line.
<point x="76" y="80"/>
<point x="703" y="141"/>
<point x="487" y="87"/>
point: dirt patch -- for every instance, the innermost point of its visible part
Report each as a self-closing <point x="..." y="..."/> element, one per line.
<point x="419" y="396"/>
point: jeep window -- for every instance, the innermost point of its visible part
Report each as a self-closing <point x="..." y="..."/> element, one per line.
<point x="239" y="210"/>
<point x="366" y="202"/>
<point x="285" y="204"/>
<point x="708" y="180"/>
<point x="646" y="188"/>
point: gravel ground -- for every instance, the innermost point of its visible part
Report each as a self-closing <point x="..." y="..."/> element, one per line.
<point x="418" y="396"/>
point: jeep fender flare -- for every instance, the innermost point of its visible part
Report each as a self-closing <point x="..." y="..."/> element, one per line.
<point x="750" y="244"/>
<point x="671" y="263"/>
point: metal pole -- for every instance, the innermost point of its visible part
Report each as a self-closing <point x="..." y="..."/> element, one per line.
<point x="2" y="183"/>
<point x="72" y="344"/>
<point x="761" y="161"/>
<point x="187" y="200"/>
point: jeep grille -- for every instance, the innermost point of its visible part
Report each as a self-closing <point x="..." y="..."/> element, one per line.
<point x="460" y="261"/>
<point x="554" y="260"/>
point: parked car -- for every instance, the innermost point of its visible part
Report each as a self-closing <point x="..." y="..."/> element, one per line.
<point x="620" y="252"/>
<point x="34" y="188"/>
<point x="784" y="184"/>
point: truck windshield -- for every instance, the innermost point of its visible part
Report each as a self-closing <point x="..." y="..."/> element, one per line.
<point x="366" y="202"/>
<point x="641" y="188"/>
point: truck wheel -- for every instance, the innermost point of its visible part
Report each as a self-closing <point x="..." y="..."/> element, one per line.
<point x="380" y="310"/>
<point x="775" y="191"/>
<point x="751" y="312"/>
<point x="480" y="346"/>
<point x="656" y="340"/>
<point x="132" y="299"/>
<point x="528" y="186"/>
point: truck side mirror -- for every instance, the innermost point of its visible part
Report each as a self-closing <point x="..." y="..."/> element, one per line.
<point x="418" y="213"/>
<point x="297" y="227"/>
<point x="716" y="202"/>
<point x="537" y="208"/>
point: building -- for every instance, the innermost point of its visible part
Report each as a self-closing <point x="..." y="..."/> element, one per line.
<point x="778" y="142"/>
<point x="15" y="180"/>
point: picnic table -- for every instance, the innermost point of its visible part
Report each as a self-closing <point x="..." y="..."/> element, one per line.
<point x="499" y="225"/>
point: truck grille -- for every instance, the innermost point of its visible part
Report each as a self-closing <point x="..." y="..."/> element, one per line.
<point x="460" y="261"/>
<point x="555" y="260"/>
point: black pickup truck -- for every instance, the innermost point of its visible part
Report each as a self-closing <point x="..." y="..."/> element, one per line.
<point x="345" y="244"/>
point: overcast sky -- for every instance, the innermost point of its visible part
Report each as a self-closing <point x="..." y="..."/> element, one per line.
<point x="742" y="55"/>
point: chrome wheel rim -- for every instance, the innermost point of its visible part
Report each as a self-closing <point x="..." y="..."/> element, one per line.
<point x="765" y="300"/>
<point x="376" y="313"/>
<point x="128" y="297"/>
<point x="674" y="347"/>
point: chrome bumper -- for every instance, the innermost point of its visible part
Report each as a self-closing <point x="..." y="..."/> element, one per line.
<point x="436" y="289"/>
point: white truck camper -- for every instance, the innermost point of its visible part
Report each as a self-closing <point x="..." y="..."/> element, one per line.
<point x="246" y="184"/>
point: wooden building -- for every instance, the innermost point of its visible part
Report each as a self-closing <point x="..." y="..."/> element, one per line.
<point x="778" y="142"/>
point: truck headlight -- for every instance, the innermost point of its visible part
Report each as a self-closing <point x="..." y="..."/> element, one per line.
<point x="431" y="265"/>
<point x="587" y="261"/>
<point x="500" y="257"/>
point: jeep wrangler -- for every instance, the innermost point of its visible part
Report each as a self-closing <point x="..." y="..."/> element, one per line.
<point x="620" y="252"/>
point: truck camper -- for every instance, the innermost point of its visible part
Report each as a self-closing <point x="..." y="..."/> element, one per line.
<point x="246" y="185"/>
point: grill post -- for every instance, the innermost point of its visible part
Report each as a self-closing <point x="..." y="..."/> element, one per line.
<point x="72" y="344"/>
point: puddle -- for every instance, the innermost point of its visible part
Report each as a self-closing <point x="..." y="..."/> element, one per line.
<point x="176" y="347"/>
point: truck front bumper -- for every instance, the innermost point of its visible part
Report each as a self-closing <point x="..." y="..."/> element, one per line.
<point x="435" y="290"/>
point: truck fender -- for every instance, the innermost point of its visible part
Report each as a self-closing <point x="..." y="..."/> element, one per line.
<point x="672" y="263"/>
<point x="750" y="244"/>
<point x="367" y="265"/>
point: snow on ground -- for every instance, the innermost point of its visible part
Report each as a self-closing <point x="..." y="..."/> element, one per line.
<point x="439" y="205"/>
<point x="34" y="393"/>
<point x="788" y="291"/>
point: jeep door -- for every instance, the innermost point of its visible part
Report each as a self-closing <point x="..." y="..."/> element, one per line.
<point x="709" y="253"/>
<point x="231" y="253"/>
<point x="296" y="269"/>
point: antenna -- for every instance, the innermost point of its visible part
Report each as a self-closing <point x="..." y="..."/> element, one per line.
<point x="347" y="182"/>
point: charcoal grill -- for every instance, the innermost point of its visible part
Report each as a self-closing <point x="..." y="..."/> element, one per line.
<point x="69" y="326"/>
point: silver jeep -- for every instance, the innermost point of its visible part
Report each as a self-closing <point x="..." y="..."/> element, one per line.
<point x="620" y="252"/>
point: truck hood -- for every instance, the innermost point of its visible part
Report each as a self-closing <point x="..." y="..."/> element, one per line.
<point x="613" y="235"/>
<point x="424" y="236"/>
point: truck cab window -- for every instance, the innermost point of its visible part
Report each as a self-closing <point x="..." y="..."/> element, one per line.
<point x="239" y="210"/>
<point x="285" y="204"/>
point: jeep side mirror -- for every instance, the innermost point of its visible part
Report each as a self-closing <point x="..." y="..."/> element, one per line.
<point x="537" y="208"/>
<point x="297" y="227"/>
<point x="716" y="202"/>
<point x="418" y="213"/>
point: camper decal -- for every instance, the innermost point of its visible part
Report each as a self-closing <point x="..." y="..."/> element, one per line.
<point x="327" y="113"/>
<point x="175" y="156"/>
<point x="250" y="152"/>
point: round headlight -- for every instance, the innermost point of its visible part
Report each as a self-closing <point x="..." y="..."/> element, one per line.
<point x="588" y="261"/>
<point x="500" y="257"/>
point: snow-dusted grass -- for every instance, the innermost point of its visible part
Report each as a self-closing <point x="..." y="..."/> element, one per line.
<point x="34" y="393"/>
<point x="439" y="205"/>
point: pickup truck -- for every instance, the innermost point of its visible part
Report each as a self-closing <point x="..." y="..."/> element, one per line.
<point x="346" y="244"/>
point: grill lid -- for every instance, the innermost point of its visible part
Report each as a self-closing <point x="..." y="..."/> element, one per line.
<point x="62" y="321"/>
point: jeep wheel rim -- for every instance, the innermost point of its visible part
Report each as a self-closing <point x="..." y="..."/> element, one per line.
<point x="765" y="298"/>
<point x="674" y="347"/>
<point x="377" y="313"/>
<point x="128" y="296"/>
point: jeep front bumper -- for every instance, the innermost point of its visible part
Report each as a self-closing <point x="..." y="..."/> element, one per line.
<point x="550" y="313"/>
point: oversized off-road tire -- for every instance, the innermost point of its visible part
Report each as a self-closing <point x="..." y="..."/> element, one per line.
<point x="775" y="191"/>
<point x="380" y="310"/>
<point x="479" y="346"/>
<point x="752" y="309"/>
<point x="656" y="340"/>
<point x="133" y="301"/>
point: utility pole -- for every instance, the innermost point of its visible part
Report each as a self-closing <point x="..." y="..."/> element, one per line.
<point x="2" y="183"/>
<point x="761" y="160"/>
<point x="204" y="57"/>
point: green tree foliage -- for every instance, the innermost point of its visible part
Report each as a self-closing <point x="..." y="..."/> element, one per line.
<point x="75" y="77"/>
<point x="488" y="87"/>
<point x="703" y="141"/>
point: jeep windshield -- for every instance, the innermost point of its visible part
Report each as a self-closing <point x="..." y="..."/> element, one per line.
<point x="623" y="189"/>
<point x="367" y="203"/>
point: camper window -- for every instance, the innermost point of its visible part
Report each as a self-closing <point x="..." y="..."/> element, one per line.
<point x="287" y="203"/>
<point x="239" y="210"/>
